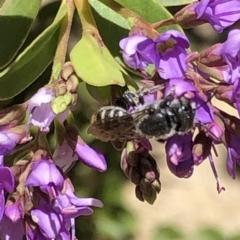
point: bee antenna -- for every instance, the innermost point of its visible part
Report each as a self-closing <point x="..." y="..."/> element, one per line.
<point x="132" y="99"/>
<point x="208" y="100"/>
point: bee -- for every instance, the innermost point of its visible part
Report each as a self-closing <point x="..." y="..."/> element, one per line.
<point x="159" y="120"/>
<point x="166" y="117"/>
<point x="112" y="123"/>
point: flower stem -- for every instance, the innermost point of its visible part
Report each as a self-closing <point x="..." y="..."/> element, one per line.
<point x="134" y="19"/>
<point x="61" y="51"/>
<point x="86" y="17"/>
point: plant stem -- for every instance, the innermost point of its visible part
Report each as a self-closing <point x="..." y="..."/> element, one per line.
<point x="85" y="14"/>
<point x="61" y="51"/>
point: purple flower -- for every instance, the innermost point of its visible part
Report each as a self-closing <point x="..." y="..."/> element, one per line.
<point x="71" y="206"/>
<point x="233" y="154"/>
<point x="86" y="154"/>
<point x="230" y="54"/>
<point x="168" y="53"/>
<point x="179" y="155"/>
<point x="9" y="138"/>
<point x="11" y="230"/>
<point x="48" y="221"/>
<point x="14" y="211"/>
<point x="45" y="174"/>
<point x="39" y="107"/>
<point x="180" y="87"/>
<point x="7" y="183"/>
<point x="131" y="55"/>
<point x="64" y="156"/>
<point x="171" y="54"/>
<point x="219" y="13"/>
<point x="57" y="204"/>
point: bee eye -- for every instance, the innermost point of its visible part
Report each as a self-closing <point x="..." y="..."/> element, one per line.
<point x="151" y="111"/>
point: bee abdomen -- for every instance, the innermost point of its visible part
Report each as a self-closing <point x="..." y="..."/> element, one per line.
<point x="110" y="113"/>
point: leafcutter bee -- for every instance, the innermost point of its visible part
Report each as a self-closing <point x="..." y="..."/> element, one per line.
<point x="160" y="119"/>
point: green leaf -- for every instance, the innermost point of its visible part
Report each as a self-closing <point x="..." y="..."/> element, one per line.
<point x="168" y="232"/>
<point x="170" y="3"/>
<point x="109" y="14"/>
<point x="109" y="22"/>
<point x="95" y="65"/>
<point x="100" y="94"/>
<point x="150" y="10"/>
<point x="30" y="64"/>
<point x="16" y="18"/>
<point x="210" y="234"/>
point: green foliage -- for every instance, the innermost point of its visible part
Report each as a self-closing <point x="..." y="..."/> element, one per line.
<point x="170" y="3"/>
<point x="168" y="233"/>
<point x="110" y="15"/>
<point x="112" y="26"/>
<point x="210" y="234"/>
<point x="150" y="10"/>
<point x="171" y="232"/>
<point x="25" y="69"/>
<point x="15" y="16"/>
<point x="88" y="54"/>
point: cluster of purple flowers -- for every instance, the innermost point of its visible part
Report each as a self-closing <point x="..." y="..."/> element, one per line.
<point x="37" y="199"/>
<point x="198" y="77"/>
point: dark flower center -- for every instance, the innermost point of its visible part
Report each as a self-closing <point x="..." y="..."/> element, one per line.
<point x="163" y="47"/>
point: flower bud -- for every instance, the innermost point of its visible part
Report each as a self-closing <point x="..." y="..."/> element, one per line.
<point x="146" y="186"/>
<point x="139" y="194"/>
<point x="150" y="198"/>
<point x="72" y="84"/>
<point x="60" y="88"/>
<point x="232" y="123"/>
<point x="67" y="71"/>
<point x="134" y="175"/>
<point x="13" y="208"/>
<point x="12" y="116"/>
<point x="201" y="147"/>
<point x="61" y="103"/>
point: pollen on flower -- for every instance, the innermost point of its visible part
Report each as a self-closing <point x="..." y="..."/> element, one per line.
<point x="35" y="218"/>
<point x="163" y="47"/>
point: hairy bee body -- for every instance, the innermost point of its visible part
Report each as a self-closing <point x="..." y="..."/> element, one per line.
<point x="163" y="119"/>
<point x="112" y="123"/>
<point x="159" y="120"/>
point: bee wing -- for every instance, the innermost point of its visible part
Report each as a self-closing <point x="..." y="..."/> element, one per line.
<point x="119" y="128"/>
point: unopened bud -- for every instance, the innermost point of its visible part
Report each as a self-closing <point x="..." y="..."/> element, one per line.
<point x="134" y="175"/>
<point x="232" y="123"/>
<point x="130" y="147"/>
<point x="59" y="89"/>
<point x="187" y="18"/>
<point x="61" y="103"/>
<point x="72" y="84"/>
<point x="123" y="161"/>
<point x="74" y="98"/>
<point x="145" y="186"/>
<point x="12" y="116"/>
<point x="145" y="168"/>
<point x="214" y="72"/>
<point x="133" y="159"/>
<point x="139" y="194"/>
<point x="157" y="185"/>
<point x="201" y="148"/>
<point x="150" y="198"/>
<point x="67" y="71"/>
